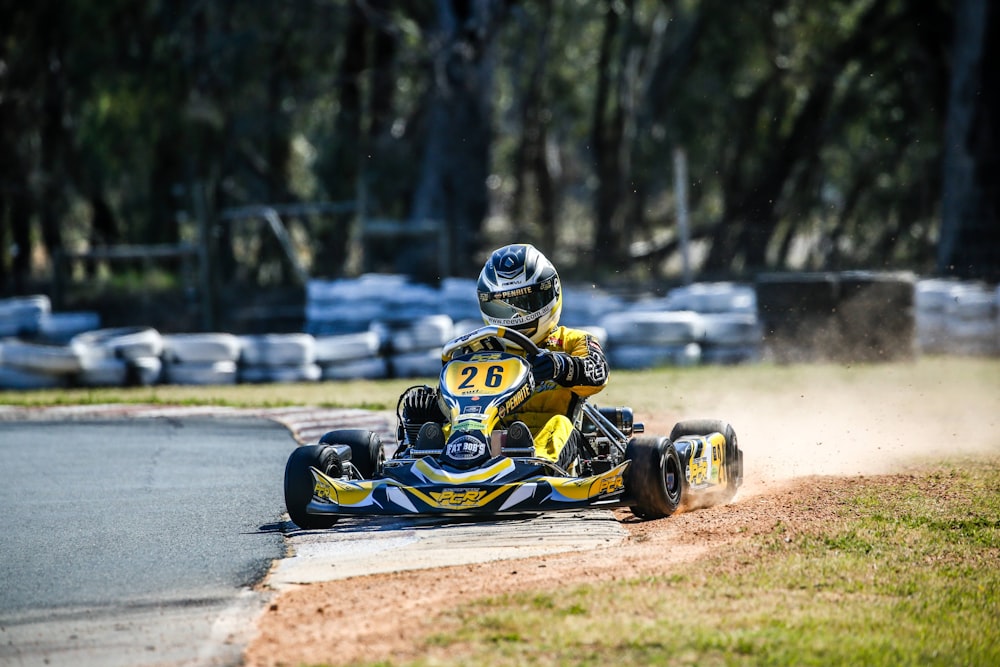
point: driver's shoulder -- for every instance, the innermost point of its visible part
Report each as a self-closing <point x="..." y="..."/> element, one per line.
<point x="565" y="338"/>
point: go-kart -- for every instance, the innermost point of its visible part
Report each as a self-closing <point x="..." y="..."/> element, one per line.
<point x="471" y="457"/>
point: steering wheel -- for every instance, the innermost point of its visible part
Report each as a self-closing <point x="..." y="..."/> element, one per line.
<point x="490" y="331"/>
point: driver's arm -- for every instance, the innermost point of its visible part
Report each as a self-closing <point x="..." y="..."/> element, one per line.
<point x="587" y="367"/>
<point x="574" y="359"/>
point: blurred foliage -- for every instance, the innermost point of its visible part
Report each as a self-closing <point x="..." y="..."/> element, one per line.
<point x="813" y="131"/>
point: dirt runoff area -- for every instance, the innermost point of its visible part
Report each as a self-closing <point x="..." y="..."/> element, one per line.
<point x="800" y="445"/>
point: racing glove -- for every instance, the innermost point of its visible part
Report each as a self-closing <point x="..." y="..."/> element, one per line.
<point x="558" y="366"/>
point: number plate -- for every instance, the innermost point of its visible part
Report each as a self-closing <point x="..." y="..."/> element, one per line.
<point x="482" y="377"/>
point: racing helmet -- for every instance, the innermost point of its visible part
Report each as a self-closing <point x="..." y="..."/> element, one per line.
<point x="519" y="289"/>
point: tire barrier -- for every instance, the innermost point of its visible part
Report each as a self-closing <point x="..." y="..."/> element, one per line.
<point x="59" y="328"/>
<point x="723" y="297"/>
<point x="279" y="358"/>
<point x="641" y="357"/>
<point x="101" y="371"/>
<point x="852" y="316"/>
<point x="201" y="358"/>
<point x="201" y="373"/>
<point x="118" y="357"/>
<point x="37" y="358"/>
<point x="380" y="326"/>
<point x="414" y="346"/>
<point x="145" y="371"/>
<point x="351" y="356"/>
<point x="13" y="377"/>
<point x="954" y="317"/>
<point x="22" y="316"/>
<point x="201" y="348"/>
<point x="122" y="343"/>
<point x="696" y="324"/>
<point x="372" y="368"/>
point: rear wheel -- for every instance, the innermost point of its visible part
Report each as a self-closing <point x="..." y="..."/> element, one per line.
<point x="655" y="483"/>
<point x="733" y="464"/>
<point x="367" y="454"/>
<point x="299" y="483"/>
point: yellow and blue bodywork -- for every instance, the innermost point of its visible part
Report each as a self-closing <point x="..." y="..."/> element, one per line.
<point x="502" y="485"/>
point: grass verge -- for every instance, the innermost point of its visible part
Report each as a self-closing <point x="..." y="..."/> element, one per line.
<point x="647" y="392"/>
<point x="905" y="570"/>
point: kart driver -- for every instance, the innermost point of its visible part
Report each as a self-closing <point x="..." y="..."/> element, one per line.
<point x="519" y="289"/>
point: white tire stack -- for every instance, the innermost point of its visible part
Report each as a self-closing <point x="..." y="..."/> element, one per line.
<point x="344" y="305"/>
<point x="201" y="359"/>
<point x="996" y="320"/>
<point x="457" y="299"/>
<point x="23" y="315"/>
<point x="32" y="366"/>
<point x="731" y="338"/>
<point x="733" y="333"/>
<point x="648" y="338"/>
<point x="62" y="326"/>
<point x="930" y="300"/>
<point x="585" y="307"/>
<point x="955" y="317"/>
<point x="415" y="345"/>
<point x="722" y="297"/>
<point x="971" y="320"/>
<point x="279" y="358"/>
<point x="351" y="356"/>
<point x="118" y="356"/>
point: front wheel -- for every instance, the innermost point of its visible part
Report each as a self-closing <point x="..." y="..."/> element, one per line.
<point x="299" y="483"/>
<point x="655" y="482"/>
<point x="733" y="463"/>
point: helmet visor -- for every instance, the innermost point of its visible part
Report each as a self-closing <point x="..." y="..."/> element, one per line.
<point x="519" y="303"/>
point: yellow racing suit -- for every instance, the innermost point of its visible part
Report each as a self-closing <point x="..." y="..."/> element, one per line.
<point x="549" y="412"/>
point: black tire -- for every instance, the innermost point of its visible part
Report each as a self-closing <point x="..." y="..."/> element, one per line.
<point x="655" y="482"/>
<point x="367" y="454"/>
<point x="734" y="456"/>
<point x="299" y="483"/>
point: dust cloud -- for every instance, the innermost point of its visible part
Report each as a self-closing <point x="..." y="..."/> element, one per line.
<point x="878" y="421"/>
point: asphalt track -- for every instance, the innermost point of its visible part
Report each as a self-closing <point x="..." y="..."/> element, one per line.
<point x="134" y="535"/>
<point x="136" y="542"/>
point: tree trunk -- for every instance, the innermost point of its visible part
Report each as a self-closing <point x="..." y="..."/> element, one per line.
<point x="342" y="166"/>
<point x="970" y="225"/>
<point x="53" y="141"/>
<point x="455" y="164"/>
<point x="606" y="138"/>
<point x="531" y="166"/>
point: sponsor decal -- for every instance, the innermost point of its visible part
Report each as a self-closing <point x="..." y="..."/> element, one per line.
<point x="465" y="448"/>
<point x="514" y="401"/>
<point x="609" y="485"/>
<point x="324" y="490"/>
<point x="459" y="497"/>
<point x="698" y="471"/>
<point x="507" y="294"/>
<point x="469" y="425"/>
<point x="515" y="321"/>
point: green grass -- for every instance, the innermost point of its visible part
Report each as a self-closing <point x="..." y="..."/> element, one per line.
<point x="906" y="574"/>
<point x="369" y="395"/>
<point x="647" y="392"/>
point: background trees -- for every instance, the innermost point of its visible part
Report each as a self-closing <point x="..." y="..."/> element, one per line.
<point x="815" y="132"/>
